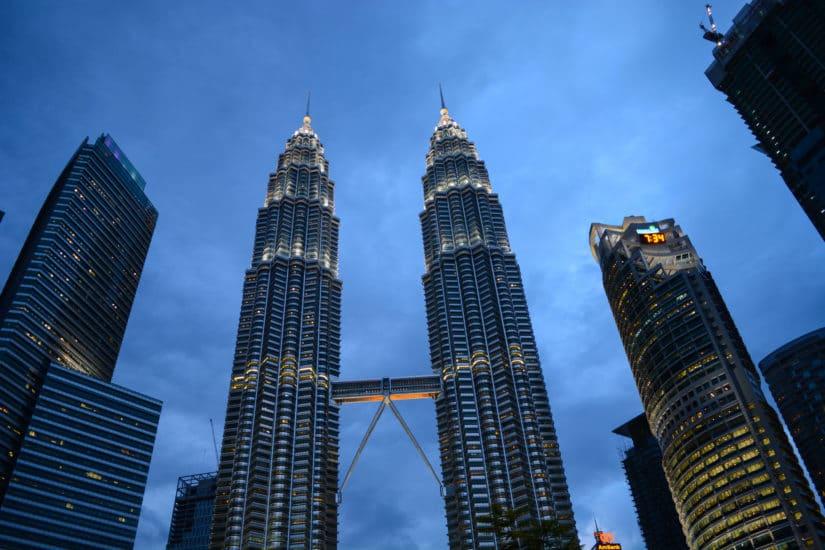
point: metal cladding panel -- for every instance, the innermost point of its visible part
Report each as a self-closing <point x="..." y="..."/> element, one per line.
<point x="278" y="472"/>
<point x="498" y="443"/>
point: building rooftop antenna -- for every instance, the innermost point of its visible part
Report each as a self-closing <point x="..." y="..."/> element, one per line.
<point x="712" y="34"/>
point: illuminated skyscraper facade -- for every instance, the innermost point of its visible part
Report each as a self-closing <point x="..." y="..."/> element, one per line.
<point x="771" y="67"/>
<point x="497" y="440"/>
<point x="278" y="472"/>
<point x="734" y="478"/>
<point x="69" y="294"/>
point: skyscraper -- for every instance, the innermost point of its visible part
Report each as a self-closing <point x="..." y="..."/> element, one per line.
<point x="191" y="523"/>
<point x="771" y="67"/>
<point x="497" y="439"/>
<point x="733" y="476"/>
<point x="82" y="468"/>
<point x="278" y="473"/>
<point x="795" y="373"/>
<point x="655" y="512"/>
<point x="69" y="294"/>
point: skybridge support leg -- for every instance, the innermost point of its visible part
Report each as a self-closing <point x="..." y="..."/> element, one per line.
<point x="415" y="442"/>
<point x="363" y="444"/>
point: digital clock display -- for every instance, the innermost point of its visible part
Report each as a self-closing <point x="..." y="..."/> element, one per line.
<point x="652" y="238"/>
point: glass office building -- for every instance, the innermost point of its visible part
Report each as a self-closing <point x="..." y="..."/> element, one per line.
<point x="735" y="481"/>
<point x="192" y="514"/>
<point x="655" y="512"/>
<point x="795" y="374"/>
<point x="497" y="440"/>
<point x="81" y="473"/>
<point x="771" y="67"/>
<point x="278" y="473"/>
<point x="69" y="294"/>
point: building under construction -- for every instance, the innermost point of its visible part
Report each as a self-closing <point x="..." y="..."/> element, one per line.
<point x="192" y="514"/>
<point x="771" y="66"/>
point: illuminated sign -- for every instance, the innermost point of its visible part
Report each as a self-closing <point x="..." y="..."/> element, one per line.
<point x="652" y="238"/>
<point x="648" y="229"/>
<point x="606" y="541"/>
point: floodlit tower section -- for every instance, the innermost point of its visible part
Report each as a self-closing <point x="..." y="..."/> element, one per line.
<point x="497" y="439"/>
<point x="734" y="478"/>
<point x="278" y="472"/>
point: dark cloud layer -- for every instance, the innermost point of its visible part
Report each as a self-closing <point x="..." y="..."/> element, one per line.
<point x="583" y="111"/>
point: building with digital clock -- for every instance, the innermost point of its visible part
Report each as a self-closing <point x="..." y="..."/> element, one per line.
<point x="733" y="476"/>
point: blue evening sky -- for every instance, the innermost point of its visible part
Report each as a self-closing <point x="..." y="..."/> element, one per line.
<point x="583" y="111"/>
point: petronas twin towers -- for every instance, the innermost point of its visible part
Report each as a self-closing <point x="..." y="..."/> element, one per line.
<point x="278" y="482"/>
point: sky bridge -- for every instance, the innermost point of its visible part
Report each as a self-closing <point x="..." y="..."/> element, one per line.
<point x="384" y="391"/>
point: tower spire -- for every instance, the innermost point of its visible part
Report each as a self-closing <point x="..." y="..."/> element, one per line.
<point x="307" y="119"/>
<point x="445" y="114"/>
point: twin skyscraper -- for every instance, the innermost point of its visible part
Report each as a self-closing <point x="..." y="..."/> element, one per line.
<point x="278" y="480"/>
<point x="75" y="449"/>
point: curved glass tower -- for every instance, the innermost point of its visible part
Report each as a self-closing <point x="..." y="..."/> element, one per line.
<point x="278" y="471"/>
<point x="732" y="474"/>
<point x="497" y="439"/>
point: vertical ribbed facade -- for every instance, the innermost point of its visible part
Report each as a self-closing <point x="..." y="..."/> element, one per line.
<point x="278" y="473"/>
<point x="734" y="478"/>
<point x="497" y="439"/>
<point x="69" y="294"/>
